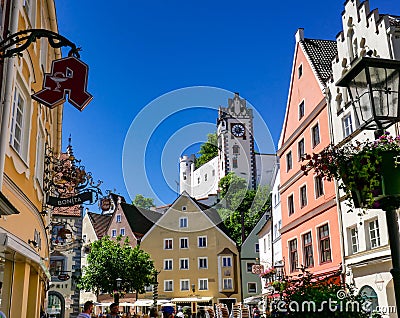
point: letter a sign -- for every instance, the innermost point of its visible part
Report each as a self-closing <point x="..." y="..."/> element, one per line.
<point x="68" y="75"/>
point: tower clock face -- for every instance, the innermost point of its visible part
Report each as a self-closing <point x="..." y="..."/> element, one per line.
<point x="238" y="130"/>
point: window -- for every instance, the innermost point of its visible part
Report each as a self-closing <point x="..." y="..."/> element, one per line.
<point x="291" y="204"/>
<point x="226" y="261"/>
<point x="213" y="173"/>
<point x="347" y="125"/>
<point x="202" y="262"/>
<point x="203" y="284"/>
<point x="301" y="110"/>
<point x="300" y="149"/>
<point x="324" y="244"/>
<point x="118" y="218"/>
<point x="168" y="264"/>
<point x="168" y="244"/>
<point x="17" y="123"/>
<point x="184" y="176"/>
<point x="39" y="169"/>
<point x="319" y="186"/>
<point x="184" y="284"/>
<point x="234" y="163"/>
<point x="300" y="70"/>
<point x="257" y="247"/>
<point x="184" y="208"/>
<point x="265" y="245"/>
<point x="202" y="240"/>
<point x="183" y="263"/>
<point x="353" y="234"/>
<point x="235" y="149"/>
<point x="198" y="180"/>
<point x="205" y="177"/>
<point x="293" y="255"/>
<point x="56" y="266"/>
<point x="315" y="135"/>
<point x="122" y="231"/>
<point x="303" y="196"/>
<point x="148" y="289"/>
<point x="113" y="233"/>
<point x="251" y="287"/>
<point x="289" y="164"/>
<point x="308" y="250"/>
<point x="228" y="283"/>
<point x="374" y="237"/>
<point x="249" y="267"/>
<point x="183" y="222"/>
<point x="184" y="242"/>
<point x="168" y="285"/>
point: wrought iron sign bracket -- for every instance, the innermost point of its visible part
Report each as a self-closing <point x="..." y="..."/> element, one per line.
<point x="23" y="39"/>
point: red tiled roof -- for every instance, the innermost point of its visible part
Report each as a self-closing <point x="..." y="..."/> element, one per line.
<point x="68" y="211"/>
<point x="100" y="223"/>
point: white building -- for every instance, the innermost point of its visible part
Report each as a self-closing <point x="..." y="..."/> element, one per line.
<point x="236" y="154"/>
<point x="365" y="239"/>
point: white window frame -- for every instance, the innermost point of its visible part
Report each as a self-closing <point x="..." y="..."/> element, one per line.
<point x="226" y="261"/>
<point x="165" y="246"/>
<point x="354" y="244"/>
<point x="227" y="283"/>
<point x="19" y="144"/>
<point x="201" y="261"/>
<point x="118" y="218"/>
<point x="183" y="222"/>
<point x="122" y="231"/>
<point x="184" y="261"/>
<point x="113" y="233"/>
<point x="200" y="240"/>
<point x="168" y="283"/>
<point x="40" y="154"/>
<point x="347" y="125"/>
<point x="185" y="282"/>
<point x="168" y="264"/>
<point x="376" y="232"/>
<point x="203" y="283"/>
<point x="255" y="288"/>
<point x="181" y="239"/>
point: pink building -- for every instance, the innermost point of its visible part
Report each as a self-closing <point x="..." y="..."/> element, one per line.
<point x="310" y="229"/>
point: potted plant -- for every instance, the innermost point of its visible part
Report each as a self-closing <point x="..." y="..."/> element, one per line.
<point x="268" y="273"/>
<point x="368" y="170"/>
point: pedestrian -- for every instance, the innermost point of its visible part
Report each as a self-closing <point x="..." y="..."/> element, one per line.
<point x="256" y="312"/>
<point x="114" y="311"/>
<point x="180" y="313"/>
<point x="87" y="310"/>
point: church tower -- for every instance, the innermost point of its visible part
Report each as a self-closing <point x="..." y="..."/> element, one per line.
<point x="236" y="141"/>
<point x="186" y="166"/>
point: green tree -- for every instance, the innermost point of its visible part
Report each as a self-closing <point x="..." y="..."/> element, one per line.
<point x="109" y="260"/>
<point x="142" y="202"/>
<point x="208" y="150"/>
<point x="237" y="202"/>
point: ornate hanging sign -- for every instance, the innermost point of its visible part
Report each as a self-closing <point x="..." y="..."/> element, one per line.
<point x="67" y="76"/>
<point x="70" y="201"/>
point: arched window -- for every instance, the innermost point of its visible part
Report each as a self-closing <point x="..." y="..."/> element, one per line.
<point x="368" y="293"/>
<point x="235" y="149"/>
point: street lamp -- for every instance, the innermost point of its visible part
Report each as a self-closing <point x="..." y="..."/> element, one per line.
<point x="373" y="85"/>
<point x="116" y="294"/>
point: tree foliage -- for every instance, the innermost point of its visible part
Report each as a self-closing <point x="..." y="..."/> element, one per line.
<point x="237" y="199"/>
<point x="109" y="260"/>
<point x="142" y="202"/>
<point x="208" y="150"/>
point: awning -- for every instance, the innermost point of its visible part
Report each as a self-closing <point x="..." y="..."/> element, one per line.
<point x="143" y="303"/>
<point x="127" y="304"/>
<point x="253" y="300"/>
<point x="191" y="299"/>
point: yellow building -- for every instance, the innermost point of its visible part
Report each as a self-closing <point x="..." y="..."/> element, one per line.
<point x="197" y="260"/>
<point x="26" y="127"/>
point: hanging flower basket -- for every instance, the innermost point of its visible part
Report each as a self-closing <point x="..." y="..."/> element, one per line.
<point x="368" y="172"/>
<point x="268" y="273"/>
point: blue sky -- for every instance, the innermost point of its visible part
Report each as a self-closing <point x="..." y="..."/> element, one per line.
<point x="138" y="51"/>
